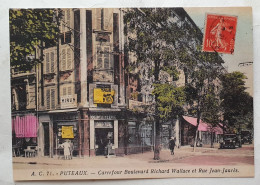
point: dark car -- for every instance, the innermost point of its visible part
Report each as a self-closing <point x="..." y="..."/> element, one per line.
<point x="229" y="141"/>
<point x="246" y="137"/>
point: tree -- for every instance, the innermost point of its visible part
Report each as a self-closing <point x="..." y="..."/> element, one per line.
<point x="156" y="41"/>
<point x="201" y="88"/>
<point x="171" y="100"/>
<point x="211" y="112"/>
<point x="236" y="103"/>
<point x="28" y="29"/>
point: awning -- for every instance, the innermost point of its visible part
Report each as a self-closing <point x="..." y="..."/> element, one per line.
<point x="63" y="110"/>
<point x="25" y="126"/>
<point x="202" y="125"/>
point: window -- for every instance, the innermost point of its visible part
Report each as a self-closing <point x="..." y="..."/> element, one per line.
<point x="50" y="98"/>
<point x="65" y="38"/>
<point x="66" y="59"/>
<point x="132" y="133"/>
<point x="48" y="103"/>
<point x="104" y="19"/>
<point x="66" y="90"/>
<point x="65" y="23"/>
<point x="50" y="62"/>
<point x="103" y="57"/>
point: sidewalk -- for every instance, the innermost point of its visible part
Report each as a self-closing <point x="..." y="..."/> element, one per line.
<point x="147" y="157"/>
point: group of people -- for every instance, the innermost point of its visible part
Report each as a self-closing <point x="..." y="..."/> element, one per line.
<point x="68" y="147"/>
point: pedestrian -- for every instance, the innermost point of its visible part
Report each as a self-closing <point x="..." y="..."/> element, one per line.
<point x="66" y="149"/>
<point x="71" y="149"/>
<point x="109" y="148"/>
<point x="172" y="145"/>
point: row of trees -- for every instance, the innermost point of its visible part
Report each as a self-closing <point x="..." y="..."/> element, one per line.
<point x="164" y="44"/>
<point x="167" y="45"/>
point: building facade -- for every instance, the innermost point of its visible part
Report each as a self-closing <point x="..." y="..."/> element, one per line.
<point x="81" y="85"/>
<point x="81" y="92"/>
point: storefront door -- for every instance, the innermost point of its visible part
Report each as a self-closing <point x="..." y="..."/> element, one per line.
<point x="102" y="136"/>
<point x="46" y="139"/>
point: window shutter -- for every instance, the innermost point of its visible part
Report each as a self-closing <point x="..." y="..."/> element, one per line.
<point x="69" y="91"/>
<point x="63" y="59"/>
<point x="98" y="21"/>
<point x="69" y="58"/>
<point x="63" y="24"/>
<point x="64" y="91"/>
<point x="52" y="98"/>
<point x="52" y="62"/>
<point x="106" y="57"/>
<point x="48" y="98"/>
<point x="68" y="19"/>
<point x="47" y="63"/>
<point x="99" y="57"/>
<point x="107" y="18"/>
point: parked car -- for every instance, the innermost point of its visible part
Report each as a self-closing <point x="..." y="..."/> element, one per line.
<point x="246" y="137"/>
<point x="230" y="141"/>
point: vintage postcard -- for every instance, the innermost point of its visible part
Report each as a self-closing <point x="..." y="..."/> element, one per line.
<point x="126" y="93"/>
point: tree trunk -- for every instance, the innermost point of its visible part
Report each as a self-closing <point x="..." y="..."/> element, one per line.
<point x="211" y="140"/>
<point x="157" y="145"/>
<point x="195" y="140"/>
<point x="197" y="130"/>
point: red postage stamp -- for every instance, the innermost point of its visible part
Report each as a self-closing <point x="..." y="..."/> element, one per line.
<point x="219" y="35"/>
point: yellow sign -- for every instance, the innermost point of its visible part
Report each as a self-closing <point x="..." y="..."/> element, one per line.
<point x="103" y="95"/>
<point x="67" y="132"/>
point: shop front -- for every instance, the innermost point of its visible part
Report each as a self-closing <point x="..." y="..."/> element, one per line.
<point x="24" y="135"/>
<point x="103" y="133"/>
<point x="57" y="127"/>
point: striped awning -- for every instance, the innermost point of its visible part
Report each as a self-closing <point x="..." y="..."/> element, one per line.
<point x="25" y="126"/>
<point x="205" y="127"/>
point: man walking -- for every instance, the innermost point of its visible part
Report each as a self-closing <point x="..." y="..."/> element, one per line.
<point x="172" y="145"/>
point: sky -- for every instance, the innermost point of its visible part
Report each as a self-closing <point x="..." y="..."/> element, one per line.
<point x="243" y="41"/>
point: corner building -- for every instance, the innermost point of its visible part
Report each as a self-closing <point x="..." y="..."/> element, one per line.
<point x="81" y="85"/>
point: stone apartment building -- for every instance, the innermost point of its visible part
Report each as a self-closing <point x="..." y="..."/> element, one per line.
<point x="182" y="128"/>
<point x="81" y="92"/>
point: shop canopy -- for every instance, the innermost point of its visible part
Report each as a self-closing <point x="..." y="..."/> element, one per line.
<point x="205" y="127"/>
<point x="25" y="126"/>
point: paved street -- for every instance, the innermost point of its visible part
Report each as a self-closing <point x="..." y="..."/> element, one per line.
<point x="183" y="156"/>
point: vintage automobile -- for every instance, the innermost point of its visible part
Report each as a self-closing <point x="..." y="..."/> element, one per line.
<point x="246" y="137"/>
<point x="230" y="141"/>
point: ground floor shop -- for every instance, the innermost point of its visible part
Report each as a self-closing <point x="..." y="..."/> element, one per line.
<point x="141" y="133"/>
<point x="100" y="132"/>
<point x="90" y="132"/>
<point x="24" y="134"/>
<point x="206" y="133"/>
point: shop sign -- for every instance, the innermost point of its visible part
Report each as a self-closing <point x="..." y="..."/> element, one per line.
<point x="103" y="117"/>
<point x="67" y="132"/>
<point x="103" y="124"/>
<point x="68" y="101"/>
<point x="103" y="95"/>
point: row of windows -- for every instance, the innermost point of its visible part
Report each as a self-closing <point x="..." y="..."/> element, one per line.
<point x="51" y="96"/>
<point x="51" y="60"/>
